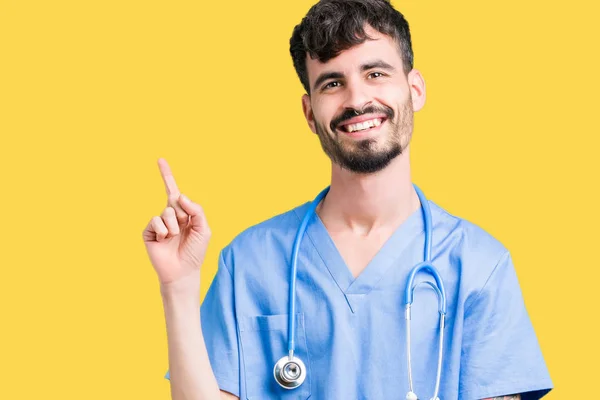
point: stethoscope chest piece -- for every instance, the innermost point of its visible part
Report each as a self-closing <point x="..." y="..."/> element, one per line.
<point x="289" y="372"/>
<point x="413" y="396"/>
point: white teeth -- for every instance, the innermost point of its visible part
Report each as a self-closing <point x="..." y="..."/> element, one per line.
<point x="363" y="125"/>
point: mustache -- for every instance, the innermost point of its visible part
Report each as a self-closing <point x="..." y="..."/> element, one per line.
<point x="350" y="113"/>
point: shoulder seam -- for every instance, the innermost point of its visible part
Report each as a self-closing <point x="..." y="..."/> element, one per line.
<point x="224" y="263"/>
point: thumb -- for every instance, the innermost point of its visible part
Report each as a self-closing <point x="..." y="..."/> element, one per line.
<point x="198" y="219"/>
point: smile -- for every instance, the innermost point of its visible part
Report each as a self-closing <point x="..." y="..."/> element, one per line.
<point x="362" y="126"/>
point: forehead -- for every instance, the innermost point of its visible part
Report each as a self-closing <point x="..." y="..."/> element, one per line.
<point x="381" y="47"/>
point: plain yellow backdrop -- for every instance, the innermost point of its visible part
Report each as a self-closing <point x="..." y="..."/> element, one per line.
<point x="92" y="93"/>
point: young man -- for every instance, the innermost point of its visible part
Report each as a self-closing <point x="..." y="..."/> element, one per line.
<point x="354" y="59"/>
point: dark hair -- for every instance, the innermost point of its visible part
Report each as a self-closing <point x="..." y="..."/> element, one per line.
<point x="332" y="26"/>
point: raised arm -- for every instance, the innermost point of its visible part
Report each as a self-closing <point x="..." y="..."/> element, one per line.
<point x="176" y="242"/>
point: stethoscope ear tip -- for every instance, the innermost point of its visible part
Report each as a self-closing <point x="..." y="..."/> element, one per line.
<point x="411" y="396"/>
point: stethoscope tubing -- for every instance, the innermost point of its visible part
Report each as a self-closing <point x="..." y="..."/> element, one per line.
<point x="292" y="293"/>
<point x="425" y="266"/>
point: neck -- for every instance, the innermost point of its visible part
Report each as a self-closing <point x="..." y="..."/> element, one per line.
<point x="367" y="202"/>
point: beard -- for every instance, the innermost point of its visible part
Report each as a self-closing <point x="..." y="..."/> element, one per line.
<point x="373" y="154"/>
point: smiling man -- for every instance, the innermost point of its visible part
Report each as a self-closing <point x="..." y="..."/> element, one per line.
<point x="355" y="61"/>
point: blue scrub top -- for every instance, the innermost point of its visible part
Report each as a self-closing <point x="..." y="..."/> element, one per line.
<point x="351" y="332"/>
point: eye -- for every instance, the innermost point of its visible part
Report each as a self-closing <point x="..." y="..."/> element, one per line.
<point x="375" y="74"/>
<point x="331" y="85"/>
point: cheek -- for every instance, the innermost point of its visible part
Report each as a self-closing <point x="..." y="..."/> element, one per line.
<point x="324" y="110"/>
<point x="394" y="96"/>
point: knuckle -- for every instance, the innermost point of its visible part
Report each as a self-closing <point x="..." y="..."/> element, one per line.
<point x="158" y="224"/>
<point x="169" y="220"/>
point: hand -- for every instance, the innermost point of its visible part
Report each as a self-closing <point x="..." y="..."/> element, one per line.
<point x="176" y="241"/>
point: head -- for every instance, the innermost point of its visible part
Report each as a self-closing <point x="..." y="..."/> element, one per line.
<point x="355" y="61"/>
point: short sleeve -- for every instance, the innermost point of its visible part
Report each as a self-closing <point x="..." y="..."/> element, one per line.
<point x="500" y="351"/>
<point x="219" y="328"/>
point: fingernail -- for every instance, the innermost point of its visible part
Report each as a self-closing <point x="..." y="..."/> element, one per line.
<point x="184" y="198"/>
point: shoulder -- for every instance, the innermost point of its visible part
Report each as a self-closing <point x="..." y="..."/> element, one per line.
<point x="469" y="246"/>
<point x="280" y="224"/>
<point x="468" y="234"/>
<point x="273" y="235"/>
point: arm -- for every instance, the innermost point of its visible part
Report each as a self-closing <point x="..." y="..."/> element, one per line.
<point x="176" y="242"/>
<point x="188" y="359"/>
<point x="500" y="351"/>
<point x="511" y="397"/>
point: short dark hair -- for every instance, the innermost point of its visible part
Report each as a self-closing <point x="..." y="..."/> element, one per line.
<point x="332" y="26"/>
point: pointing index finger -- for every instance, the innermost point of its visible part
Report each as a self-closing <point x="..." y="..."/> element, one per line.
<point x="167" y="176"/>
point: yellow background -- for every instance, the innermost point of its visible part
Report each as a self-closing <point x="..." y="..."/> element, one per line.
<point x="92" y="93"/>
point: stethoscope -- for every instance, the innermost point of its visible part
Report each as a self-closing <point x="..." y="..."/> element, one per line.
<point x="290" y="371"/>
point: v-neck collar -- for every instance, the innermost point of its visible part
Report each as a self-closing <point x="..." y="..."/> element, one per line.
<point x="356" y="289"/>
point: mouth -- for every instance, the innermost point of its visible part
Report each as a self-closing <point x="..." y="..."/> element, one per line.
<point x="363" y="127"/>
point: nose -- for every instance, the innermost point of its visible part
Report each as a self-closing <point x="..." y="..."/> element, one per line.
<point x="357" y="96"/>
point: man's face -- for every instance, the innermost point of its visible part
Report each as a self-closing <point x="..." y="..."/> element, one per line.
<point x="361" y="105"/>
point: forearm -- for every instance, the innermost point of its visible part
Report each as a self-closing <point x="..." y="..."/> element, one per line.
<point x="191" y="375"/>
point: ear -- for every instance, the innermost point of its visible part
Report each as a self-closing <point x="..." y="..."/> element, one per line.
<point x="417" y="89"/>
<point x="308" y="113"/>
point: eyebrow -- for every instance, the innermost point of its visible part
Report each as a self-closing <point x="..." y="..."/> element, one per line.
<point x="377" y="64"/>
<point x="365" y="67"/>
